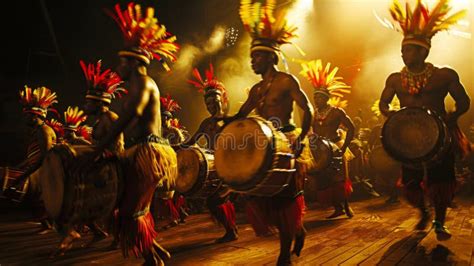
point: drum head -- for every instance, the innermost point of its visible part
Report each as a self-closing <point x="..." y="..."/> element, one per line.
<point x="51" y="182"/>
<point x="411" y="134"/>
<point x="242" y="149"/>
<point x="189" y="161"/>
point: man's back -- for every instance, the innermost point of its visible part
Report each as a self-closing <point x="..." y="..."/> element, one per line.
<point x="145" y="91"/>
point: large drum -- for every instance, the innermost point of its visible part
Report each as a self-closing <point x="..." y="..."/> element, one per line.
<point x="8" y="178"/>
<point x="326" y="154"/>
<point x="381" y="162"/>
<point x="415" y="136"/>
<point x="252" y="157"/>
<point x="197" y="176"/>
<point x="75" y="198"/>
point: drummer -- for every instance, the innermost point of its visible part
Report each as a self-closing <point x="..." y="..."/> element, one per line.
<point x="101" y="91"/>
<point x="273" y="99"/>
<point x="422" y="84"/>
<point x="333" y="187"/>
<point x="215" y="98"/>
<point x="36" y="104"/>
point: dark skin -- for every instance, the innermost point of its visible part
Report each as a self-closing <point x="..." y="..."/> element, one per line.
<point x="141" y="110"/>
<point x="210" y="127"/>
<point x="46" y="139"/>
<point x="278" y="90"/>
<point x="105" y="118"/>
<point x="334" y="120"/>
<point x="273" y="98"/>
<point x="443" y="81"/>
<point x="142" y="116"/>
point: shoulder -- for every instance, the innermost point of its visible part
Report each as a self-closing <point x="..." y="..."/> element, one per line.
<point x="145" y="82"/>
<point x="46" y="130"/>
<point x="287" y="78"/>
<point x="339" y="111"/>
<point x="254" y="88"/>
<point x="393" y="77"/>
<point x="446" y="72"/>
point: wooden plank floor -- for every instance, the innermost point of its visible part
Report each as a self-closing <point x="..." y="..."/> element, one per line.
<point x="379" y="234"/>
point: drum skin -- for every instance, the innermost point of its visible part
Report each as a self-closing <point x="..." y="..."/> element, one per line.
<point x="196" y="173"/>
<point x="72" y="198"/>
<point x="415" y="136"/>
<point x="325" y="153"/>
<point x="252" y="157"/>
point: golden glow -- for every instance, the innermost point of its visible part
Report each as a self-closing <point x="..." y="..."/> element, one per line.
<point x="299" y="13"/>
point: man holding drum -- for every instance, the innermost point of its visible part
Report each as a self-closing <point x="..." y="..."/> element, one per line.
<point x="420" y="84"/>
<point x="36" y="104"/>
<point x="273" y="99"/>
<point x="102" y="88"/>
<point x="334" y="187"/>
<point x="215" y="98"/>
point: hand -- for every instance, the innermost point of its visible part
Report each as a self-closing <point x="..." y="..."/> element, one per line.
<point x="297" y="147"/>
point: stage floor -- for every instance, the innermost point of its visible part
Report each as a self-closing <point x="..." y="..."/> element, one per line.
<point x="378" y="234"/>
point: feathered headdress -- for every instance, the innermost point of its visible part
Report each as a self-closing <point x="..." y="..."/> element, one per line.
<point x="174" y="122"/>
<point x="85" y="132"/>
<point x="169" y="106"/>
<point x="420" y="24"/>
<point x="56" y="126"/>
<point x="211" y="85"/>
<point x="73" y="118"/>
<point x="102" y="86"/>
<point x="145" y="39"/>
<point x="338" y="102"/>
<point x="324" y="80"/>
<point x="268" y="32"/>
<point x="395" y="106"/>
<point x="37" y="101"/>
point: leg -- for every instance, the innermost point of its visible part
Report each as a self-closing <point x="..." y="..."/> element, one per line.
<point x="442" y="232"/>
<point x="338" y="211"/>
<point x="99" y="233"/>
<point x="223" y="211"/>
<point x="66" y="242"/>
<point x="393" y="198"/>
<point x="348" y="209"/>
<point x="156" y="255"/>
<point x="299" y="241"/>
<point x="411" y="179"/>
<point x="285" y="246"/>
